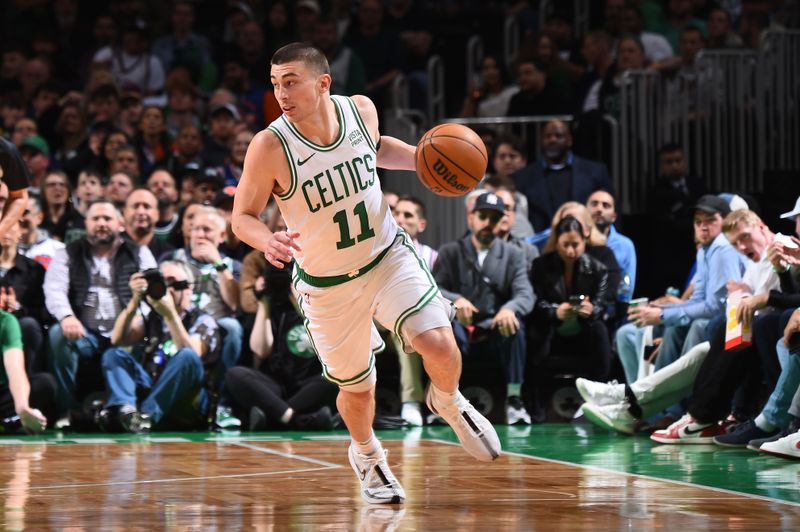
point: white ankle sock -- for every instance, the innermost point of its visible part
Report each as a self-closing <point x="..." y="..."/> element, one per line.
<point x="369" y="447"/>
<point x="762" y="423"/>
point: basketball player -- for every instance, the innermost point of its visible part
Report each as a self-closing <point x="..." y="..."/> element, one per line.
<point x="353" y="263"/>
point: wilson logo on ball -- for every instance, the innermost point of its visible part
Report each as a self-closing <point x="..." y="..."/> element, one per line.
<point x="449" y="176"/>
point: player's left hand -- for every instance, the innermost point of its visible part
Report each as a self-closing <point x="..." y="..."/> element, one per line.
<point x="506" y="323"/>
<point x="280" y="248"/>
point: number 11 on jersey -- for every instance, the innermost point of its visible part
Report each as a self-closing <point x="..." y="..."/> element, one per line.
<point x="345" y="240"/>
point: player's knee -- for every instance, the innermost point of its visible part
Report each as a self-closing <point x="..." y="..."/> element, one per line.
<point x="435" y="342"/>
<point x="365" y="385"/>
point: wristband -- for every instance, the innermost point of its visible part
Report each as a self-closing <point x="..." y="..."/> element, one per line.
<point x="220" y="266"/>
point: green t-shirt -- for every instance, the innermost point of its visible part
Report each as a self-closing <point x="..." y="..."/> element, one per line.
<point x="10" y="337"/>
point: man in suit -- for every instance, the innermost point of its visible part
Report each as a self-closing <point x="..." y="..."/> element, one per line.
<point x="559" y="176"/>
<point x="487" y="279"/>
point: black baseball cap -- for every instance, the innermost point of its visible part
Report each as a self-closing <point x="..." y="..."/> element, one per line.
<point x="224" y="196"/>
<point x="713" y="204"/>
<point x="210" y="175"/>
<point x="490" y="201"/>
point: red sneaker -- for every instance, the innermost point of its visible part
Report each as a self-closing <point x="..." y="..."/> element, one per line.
<point x="687" y="430"/>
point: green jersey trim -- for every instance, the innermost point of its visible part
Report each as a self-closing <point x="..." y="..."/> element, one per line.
<point x="333" y="280"/>
<point x="362" y="126"/>
<point x="426" y="298"/>
<point x="292" y="170"/>
<point x="332" y="146"/>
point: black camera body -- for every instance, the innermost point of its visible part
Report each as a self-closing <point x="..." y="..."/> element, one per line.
<point x="156" y="285"/>
<point x="277" y="286"/>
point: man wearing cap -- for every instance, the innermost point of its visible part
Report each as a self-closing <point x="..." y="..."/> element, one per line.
<point x="14" y="173"/>
<point x="717" y="264"/>
<point x="207" y="184"/>
<point x="222" y="122"/>
<point x="36" y="153"/>
<point x="487" y="279"/>
<point x="794" y="214"/>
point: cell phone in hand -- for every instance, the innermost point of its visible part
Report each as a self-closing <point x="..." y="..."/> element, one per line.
<point x="576" y="301"/>
<point x="794" y="344"/>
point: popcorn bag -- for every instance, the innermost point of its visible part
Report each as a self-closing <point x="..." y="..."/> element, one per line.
<point x="737" y="336"/>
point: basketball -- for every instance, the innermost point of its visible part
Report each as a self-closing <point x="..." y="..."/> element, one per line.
<point x="451" y="159"/>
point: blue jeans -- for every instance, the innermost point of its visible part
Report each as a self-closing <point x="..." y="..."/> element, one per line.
<point x="64" y="358"/>
<point x="629" y="338"/>
<point x="183" y="374"/>
<point x="777" y="408"/>
<point x="230" y="352"/>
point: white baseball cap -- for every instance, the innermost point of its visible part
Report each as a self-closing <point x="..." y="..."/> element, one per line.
<point x="794" y="212"/>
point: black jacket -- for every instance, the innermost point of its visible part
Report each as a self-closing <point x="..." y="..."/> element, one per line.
<point x="591" y="279"/>
<point x="27" y="279"/>
<point x="502" y="281"/>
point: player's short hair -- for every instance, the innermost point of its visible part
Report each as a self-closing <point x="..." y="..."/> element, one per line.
<point x="305" y="53"/>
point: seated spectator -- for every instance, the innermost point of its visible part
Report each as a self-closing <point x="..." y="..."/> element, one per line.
<point x="566" y="325"/>
<point x="253" y="267"/>
<point x="177" y="340"/>
<point x="656" y="47"/>
<point x="490" y="96"/>
<point x="114" y="140"/>
<point x="685" y="323"/>
<point x="187" y="150"/>
<point x="207" y="184"/>
<point x="125" y="160"/>
<point x="183" y="46"/>
<point x="182" y="102"/>
<point x="559" y="72"/>
<point x="130" y="111"/>
<point x="222" y="120"/>
<point x="679" y="16"/>
<point x="90" y="188"/>
<point x="85" y="289"/>
<point x="21" y="294"/>
<point x="36" y="153"/>
<point x="34" y="242"/>
<point x="487" y="280"/>
<point x="690" y="44"/>
<point x="504" y="228"/>
<point x="249" y="95"/>
<point x="23" y="128"/>
<point x="232" y="170"/>
<point x="119" y="187"/>
<point x="290" y="390"/>
<point x="23" y="398"/>
<point x="71" y="131"/>
<point x="347" y="69"/>
<point x="509" y="156"/>
<point x="162" y="184"/>
<point x="558" y="177"/>
<point x="601" y="207"/>
<point x="720" y="31"/>
<point x="61" y="220"/>
<point x="603" y="96"/>
<point x="139" y="216"/>
<point x="104" y="104"/>
<point x="537" y="94"/>
<point x="152" y="141"/>
<point x="216" y="291"/>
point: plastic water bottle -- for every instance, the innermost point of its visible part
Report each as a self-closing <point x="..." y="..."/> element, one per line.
<point x="625" y="290"/>
<point x="672" y="291"/>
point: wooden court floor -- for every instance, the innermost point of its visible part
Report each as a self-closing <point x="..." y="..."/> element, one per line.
<point x="556" y="477"/>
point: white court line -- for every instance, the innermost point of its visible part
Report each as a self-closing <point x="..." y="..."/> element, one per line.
<point x="636" y="475"/>
<point x="160" y="480"/>
<point x="286" y="455"/>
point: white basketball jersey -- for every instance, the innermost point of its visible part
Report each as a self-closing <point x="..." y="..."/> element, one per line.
<point x="334" y="200"/>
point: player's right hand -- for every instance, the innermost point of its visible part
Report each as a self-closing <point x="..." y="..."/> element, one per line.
<point x="280" y="248"/>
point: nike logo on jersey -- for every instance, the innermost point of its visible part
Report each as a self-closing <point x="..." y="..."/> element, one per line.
<point x="304" y="161"/>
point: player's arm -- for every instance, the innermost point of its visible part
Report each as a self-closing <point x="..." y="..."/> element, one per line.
<point x="14" y="209"/>
<point x="393" y="153"/>
<point x="261" y="166"/>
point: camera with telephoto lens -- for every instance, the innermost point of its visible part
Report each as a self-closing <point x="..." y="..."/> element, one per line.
<point x="277" y="283"/>
<point x="156" y="285"/>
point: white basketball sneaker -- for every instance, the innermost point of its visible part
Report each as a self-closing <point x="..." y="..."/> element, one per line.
<point x="474" y="431"/>
<point x="600" y="393"/>
<point x="378" y="484"/>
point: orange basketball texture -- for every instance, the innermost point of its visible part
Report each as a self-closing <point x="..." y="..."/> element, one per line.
<point x="451" y="159"/>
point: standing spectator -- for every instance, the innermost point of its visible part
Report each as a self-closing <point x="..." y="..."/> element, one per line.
<point x="86" y="288"/>
<point x="35" y="243"/>
<point x="558" y="177"/>
<point x="178" y="340"/>
<point x="140" y="215"/>
<point x="61" y="219"/>
<point x="487" y="279"/>
<point x="162" y="184"/>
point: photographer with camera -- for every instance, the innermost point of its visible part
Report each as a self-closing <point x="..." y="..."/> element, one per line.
<point x="289" y="390"/>
<point x="86" y="288"/>
<point x="566" y="330"/>
<point x="175" y="341"/>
